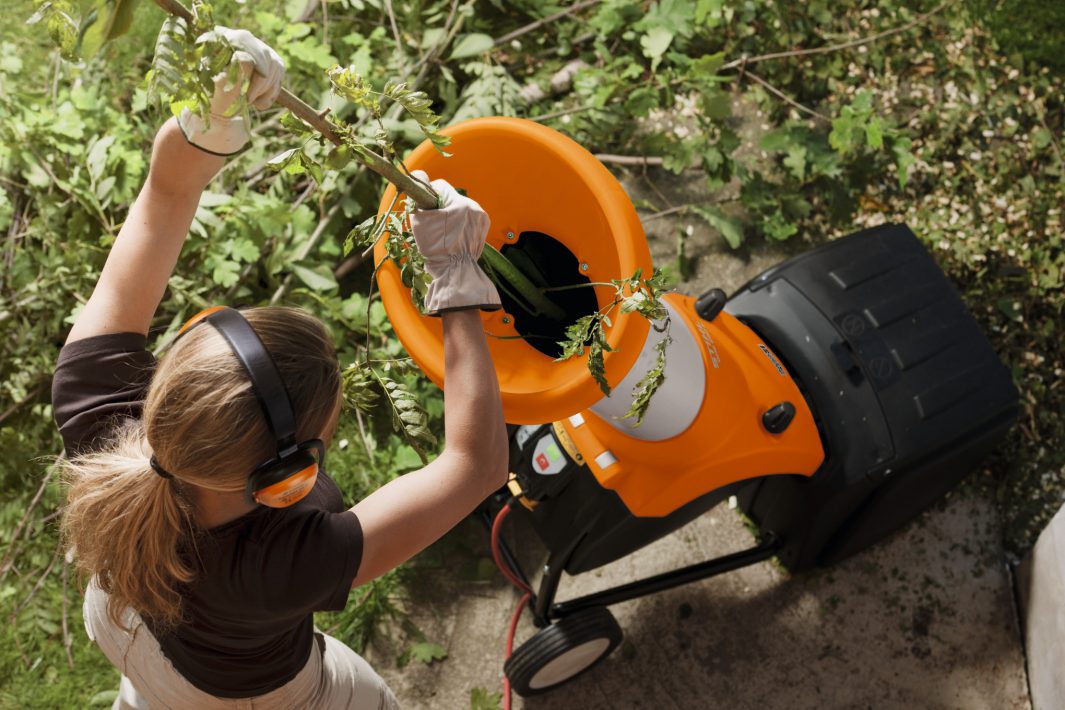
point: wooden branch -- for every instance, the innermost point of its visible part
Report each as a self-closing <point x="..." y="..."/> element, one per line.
<point x="351" y="263"/>
<point x="306" y="249"/>
<point x="395" y="27"/>
<point x="68" y="640"/>
<point x="533" y="26"/>
<point x="9" y="554"/>
<point x="499" y="264"/>
<point x="422" y="194"/>
<point x="628" y="159"/>
<point x="836" y="47"/>
<point x="18" y="405"/>
<point x="785" y="98"/>
<point x="40" y="581"/>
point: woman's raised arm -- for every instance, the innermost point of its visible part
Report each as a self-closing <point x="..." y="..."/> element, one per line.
<point x="406" y="515"/>
<point x="186" y="155"/>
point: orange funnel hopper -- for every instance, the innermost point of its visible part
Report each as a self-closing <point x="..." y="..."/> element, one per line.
<point x="532" y="181"/>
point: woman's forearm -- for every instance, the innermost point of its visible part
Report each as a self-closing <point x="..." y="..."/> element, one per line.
<point x="179" y="168"/>
<point x="473" y="411"/>
<point x="145" y="252"/>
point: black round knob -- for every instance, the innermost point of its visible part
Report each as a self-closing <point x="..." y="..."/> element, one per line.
<point x="710" y="304"/>
<point x="777" y="418"/>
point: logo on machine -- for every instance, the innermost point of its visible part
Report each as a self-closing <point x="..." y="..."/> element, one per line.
<point x="773" y="359"/>
<point x="715" y="359"/>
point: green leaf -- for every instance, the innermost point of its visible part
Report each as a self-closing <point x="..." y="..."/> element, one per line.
<point x="730" y="228"/>
<point x="796" y="161"/>
<point x="649" y="384"/>
<point x="422" y="652"/>
<point x="295" y="125"/>
<point x="107" y="20"/>
<point x="874" y="133"/>
<point x="318" y="279"/>
<point x="472" y="44"/>
<point x="104" y="698"/>
<point x="655" y="43"/>
<point x="482" y="699"/>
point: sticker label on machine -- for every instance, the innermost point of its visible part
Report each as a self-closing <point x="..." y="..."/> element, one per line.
<point x="548" y="458"/>
<point x="773" y="359"/>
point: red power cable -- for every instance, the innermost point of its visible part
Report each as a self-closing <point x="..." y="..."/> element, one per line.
<point x="504" y="569"/>
<point x="497" y="526"/>
<point x="510" y="644"/>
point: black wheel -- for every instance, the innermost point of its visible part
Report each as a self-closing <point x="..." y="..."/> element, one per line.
<point x="562" y="651"/>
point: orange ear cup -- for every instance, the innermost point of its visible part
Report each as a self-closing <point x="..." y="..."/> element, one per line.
<point x="289" y="491"/>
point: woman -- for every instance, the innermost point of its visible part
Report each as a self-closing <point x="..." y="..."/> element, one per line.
<point x="200" y="594"/>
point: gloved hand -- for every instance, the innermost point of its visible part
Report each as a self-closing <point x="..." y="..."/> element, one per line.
<point x="451" y="239"/>
<point x="228" y="134"/>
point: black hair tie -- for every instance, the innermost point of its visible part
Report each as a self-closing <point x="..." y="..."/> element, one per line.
<point x="159" y="470"/>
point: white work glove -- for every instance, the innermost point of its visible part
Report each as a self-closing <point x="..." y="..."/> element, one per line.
<point x="451" y="239"/>
<point x="226" y="133"/>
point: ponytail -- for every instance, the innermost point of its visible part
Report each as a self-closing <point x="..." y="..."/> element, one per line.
<point x="130" y="527"/>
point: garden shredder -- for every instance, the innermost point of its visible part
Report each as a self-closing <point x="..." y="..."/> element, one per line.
<point x="835" y="395"/>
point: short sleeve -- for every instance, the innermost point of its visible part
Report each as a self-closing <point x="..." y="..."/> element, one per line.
<point x="97" y="382"/>
<point x="314" y="560"/>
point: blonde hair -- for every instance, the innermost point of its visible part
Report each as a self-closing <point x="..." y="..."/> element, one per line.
<point x="134" y="529"/>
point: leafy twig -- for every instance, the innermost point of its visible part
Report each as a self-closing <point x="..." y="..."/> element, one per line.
<point x="651" y="382"/>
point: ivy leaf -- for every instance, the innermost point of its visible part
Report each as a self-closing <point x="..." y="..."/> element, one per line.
<point x="472" y="44"/>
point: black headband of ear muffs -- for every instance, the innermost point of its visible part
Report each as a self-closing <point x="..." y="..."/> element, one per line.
<point x="265" y="379"/>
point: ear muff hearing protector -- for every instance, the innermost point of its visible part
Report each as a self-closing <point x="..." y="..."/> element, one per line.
<point x="290" y="475"/>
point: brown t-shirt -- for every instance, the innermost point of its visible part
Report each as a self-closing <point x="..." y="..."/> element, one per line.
<point x="249" y="626"/>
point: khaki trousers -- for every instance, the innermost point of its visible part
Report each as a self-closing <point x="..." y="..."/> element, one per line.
<point x="334" y="677"/>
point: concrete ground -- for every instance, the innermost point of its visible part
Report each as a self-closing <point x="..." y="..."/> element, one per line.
<point x="923" y="620"/>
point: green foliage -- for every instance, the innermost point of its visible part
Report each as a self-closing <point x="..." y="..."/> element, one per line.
<point x="106" y="20"/>
<point x="964" y="145"/>
<point x="1033" y="29"/>
<point x="422" y="652"/>
<point x="483" y="699"/>
<point x="649" y="383"/>
<point x="587" y="332"/>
